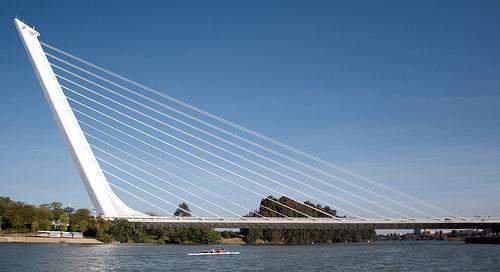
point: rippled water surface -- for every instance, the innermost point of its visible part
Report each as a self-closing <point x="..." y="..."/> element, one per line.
<point x="378" y="256"/>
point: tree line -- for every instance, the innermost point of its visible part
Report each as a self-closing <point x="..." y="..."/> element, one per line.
<point x="270" y="207"/>
<point x="16" y="216"/>
<point x="20" y="217"/>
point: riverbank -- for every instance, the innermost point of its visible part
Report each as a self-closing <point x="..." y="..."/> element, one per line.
<point x="44" y="240"/>
<point x="30" y="239"/>
<point x="232" y="241"/>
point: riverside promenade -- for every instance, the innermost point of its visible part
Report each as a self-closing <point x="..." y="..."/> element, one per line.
<point x="44" y="240"/>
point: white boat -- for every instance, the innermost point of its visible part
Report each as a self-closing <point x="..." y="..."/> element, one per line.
<point x="214" y="253"/>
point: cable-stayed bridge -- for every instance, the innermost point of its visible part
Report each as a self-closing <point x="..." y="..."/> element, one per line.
<point x="138" y="149"/>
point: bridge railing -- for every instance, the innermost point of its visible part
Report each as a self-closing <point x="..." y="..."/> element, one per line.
<point x="299" y="220"/>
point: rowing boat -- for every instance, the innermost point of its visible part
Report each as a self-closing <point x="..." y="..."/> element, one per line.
<point x="214" y="253"/>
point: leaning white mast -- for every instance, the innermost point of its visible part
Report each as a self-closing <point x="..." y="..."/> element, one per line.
<point x="103" y="198"/>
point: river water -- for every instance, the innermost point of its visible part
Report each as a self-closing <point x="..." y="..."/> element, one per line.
<point x="377" y="256"/>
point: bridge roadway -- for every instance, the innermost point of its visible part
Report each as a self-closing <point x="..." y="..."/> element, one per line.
<point x="322" y="223"/>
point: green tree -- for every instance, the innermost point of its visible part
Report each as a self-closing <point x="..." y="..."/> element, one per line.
<point x="83" y="226"/>
<point x="42" y="213"/>
<point x="56" y="213"/>
<point x="125" y="231"/>
<point x="55" y="205"/>
<point x="99" y="228"/>
<point x="63" y="222"/>
<point x="103" y="236"/>
<point x="226" y="234"/>
<point x="16" y="222"/>
<point x="34" y="227"/>
<point x="271" y="208"/>
<point x="45" y="224"/>
<point x="79" y="216"/>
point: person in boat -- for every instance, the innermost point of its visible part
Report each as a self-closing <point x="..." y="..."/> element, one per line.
<point x="215" y="250"/>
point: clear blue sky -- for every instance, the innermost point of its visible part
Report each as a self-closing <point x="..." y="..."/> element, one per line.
<point x="404" y="92"/>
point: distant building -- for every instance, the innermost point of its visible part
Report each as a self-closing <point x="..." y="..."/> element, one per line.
<point x="59" y="234"/>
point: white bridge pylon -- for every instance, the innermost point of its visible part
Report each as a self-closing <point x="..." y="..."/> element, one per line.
<point x="160" y="151"/>
<point x="103" y="198"/>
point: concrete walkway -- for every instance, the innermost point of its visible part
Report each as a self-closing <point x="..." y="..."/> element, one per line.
<point x="28" y="239"/>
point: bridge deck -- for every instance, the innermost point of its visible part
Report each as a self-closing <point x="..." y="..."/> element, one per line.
<point x="322" y="223"/>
